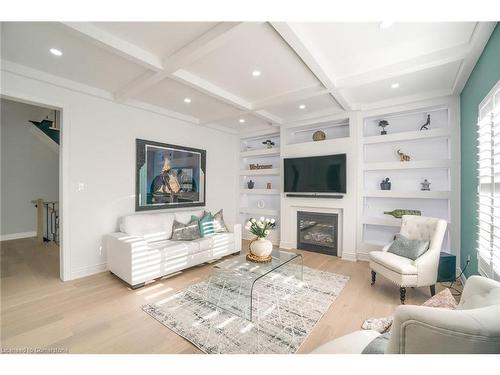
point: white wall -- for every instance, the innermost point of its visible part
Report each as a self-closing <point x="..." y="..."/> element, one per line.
<point x="30" y="168"/>
<point x="98" y="151"/>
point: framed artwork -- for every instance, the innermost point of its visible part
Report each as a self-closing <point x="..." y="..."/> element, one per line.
<point x="169" y="176"/>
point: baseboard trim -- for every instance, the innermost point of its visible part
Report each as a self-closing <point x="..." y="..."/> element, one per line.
<point x="286" y="245"/>
<point x="349" y="256"/>
<point x="87" y="271"/>
<point x="362" y="256"/>
<point x="16" y="236"/>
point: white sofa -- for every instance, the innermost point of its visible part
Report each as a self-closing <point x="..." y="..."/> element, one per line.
<point x="474" y="327"/>
<point x="143" y="249"/>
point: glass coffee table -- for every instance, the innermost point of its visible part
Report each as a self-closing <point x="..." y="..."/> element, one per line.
<point x="231" y="285"/>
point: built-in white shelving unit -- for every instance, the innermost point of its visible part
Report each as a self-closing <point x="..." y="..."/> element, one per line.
<point x="260" y="172"/>
<point x="260" y="191"/>
<point x="431" y="158"/>
<point x="302" y="135"/>
<point x="261" y="200"/>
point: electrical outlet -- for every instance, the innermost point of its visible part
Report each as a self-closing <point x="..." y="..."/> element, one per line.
<point x="468" y="258"/>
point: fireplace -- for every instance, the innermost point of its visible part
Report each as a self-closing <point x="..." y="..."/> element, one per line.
<point x="317" y="232"/>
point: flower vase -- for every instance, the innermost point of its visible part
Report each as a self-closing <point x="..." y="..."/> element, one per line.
<point x="261" y="247"/>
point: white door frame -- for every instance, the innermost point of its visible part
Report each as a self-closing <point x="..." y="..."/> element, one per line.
<point x="64" y="179"/>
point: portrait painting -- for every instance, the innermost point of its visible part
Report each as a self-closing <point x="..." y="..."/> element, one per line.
<point x="169" y="176"/>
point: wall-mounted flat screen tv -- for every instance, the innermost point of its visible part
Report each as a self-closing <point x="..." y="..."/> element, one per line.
<point x="316" y="174"/>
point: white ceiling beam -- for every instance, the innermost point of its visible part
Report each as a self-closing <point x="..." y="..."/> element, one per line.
<point x="404" y="99"/>
<point x="212" y="39"/>
<point x="419" y="63"/>
<point x="316" y="115"/>
<point x="264" y="115"/>
<point x="210" y="89"/>
<point x="479" y="38"/>
<point x="291" y="96"/>
<point x="303" y="49"/>
<point x="116" y="45"/>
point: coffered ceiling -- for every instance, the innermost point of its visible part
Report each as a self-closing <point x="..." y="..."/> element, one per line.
<point x="246" y="76"/>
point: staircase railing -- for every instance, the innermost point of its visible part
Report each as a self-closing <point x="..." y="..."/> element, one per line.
<point x="47" y="220"/>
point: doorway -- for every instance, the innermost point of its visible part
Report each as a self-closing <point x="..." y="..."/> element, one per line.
<point x="30" y="194"/>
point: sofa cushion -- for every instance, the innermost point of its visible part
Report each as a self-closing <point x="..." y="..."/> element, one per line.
<point x="220" y="225"/>
<point x="401" y="265"/>
<point x="207" y="225"/>
<point x="185" y="232"/>
<point x="175" y="249"/>
<point x="153" y="227"/>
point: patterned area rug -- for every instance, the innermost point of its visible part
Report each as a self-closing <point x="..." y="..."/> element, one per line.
<point x="285" y="312"/>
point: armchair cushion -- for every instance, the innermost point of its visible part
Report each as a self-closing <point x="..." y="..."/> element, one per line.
<point x="394" y="262"/>
<point x="407" y="248"/>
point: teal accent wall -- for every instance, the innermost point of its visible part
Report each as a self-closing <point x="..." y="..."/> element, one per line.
<point x="485" y="75"/>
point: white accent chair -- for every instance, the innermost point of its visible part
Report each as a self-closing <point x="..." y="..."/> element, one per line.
<point x="473" y="328"/>
<point x="405" y="272"/>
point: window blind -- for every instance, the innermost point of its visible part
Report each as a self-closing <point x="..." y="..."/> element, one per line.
<point x="488" y="156"/>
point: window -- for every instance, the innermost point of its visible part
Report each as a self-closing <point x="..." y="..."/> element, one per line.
<point x="488" y="245"/>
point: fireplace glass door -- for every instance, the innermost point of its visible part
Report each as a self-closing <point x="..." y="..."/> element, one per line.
<point x="317" y="232"/>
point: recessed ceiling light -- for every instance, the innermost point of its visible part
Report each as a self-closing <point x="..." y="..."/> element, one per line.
<point x="256" y="73"/>
<point x="395" y="85"/>
<point x="187" y="100"/>
<point x="242" y="120"/>
<point x="55" y="52"/>
<point x="385" y="24"/>
<point x="302" y="106"/>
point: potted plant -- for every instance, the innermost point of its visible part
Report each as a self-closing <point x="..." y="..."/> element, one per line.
<point x="260" y="246"/>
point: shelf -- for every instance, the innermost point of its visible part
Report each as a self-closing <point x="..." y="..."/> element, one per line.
<point x="259" y="211"/>
<point x="260" y="191"/>
<point x="291" y="148"/>
<point x="419" y="164"/>
<point x="275" y="151"/>
<point x="388" y="222"/>
<point x="260" y="172"/>
<point x="408" y="136"/>
<point x="408" y="194"/>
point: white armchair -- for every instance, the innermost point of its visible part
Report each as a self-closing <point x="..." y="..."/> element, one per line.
<point x="406" y="272"/>
<point x="473" y="328"/>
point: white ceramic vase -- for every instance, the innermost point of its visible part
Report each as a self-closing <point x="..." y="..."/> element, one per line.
<point x="261" y="247"/>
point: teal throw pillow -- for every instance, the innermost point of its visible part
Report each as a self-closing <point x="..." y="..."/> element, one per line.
<point x="206" y="224"/>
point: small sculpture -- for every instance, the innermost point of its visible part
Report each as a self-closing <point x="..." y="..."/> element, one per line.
<point x="250" y="184"/>
<point x="425" y="185"/>
<point x="383" y="124"/>
<point x="385" y="184"/>
<point x="319" y="135"/>
<point x="403" y="156"/>
<point x="399" y="212"/>
<point x="268" y="143"/>
<point x="426" y="125"/>
<point x="268" y="185"/>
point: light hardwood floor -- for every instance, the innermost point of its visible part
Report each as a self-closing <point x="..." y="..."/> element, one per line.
<point x="100" y="314"/>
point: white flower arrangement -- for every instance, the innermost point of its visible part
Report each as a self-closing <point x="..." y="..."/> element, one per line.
<point x="260" y="228"/>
